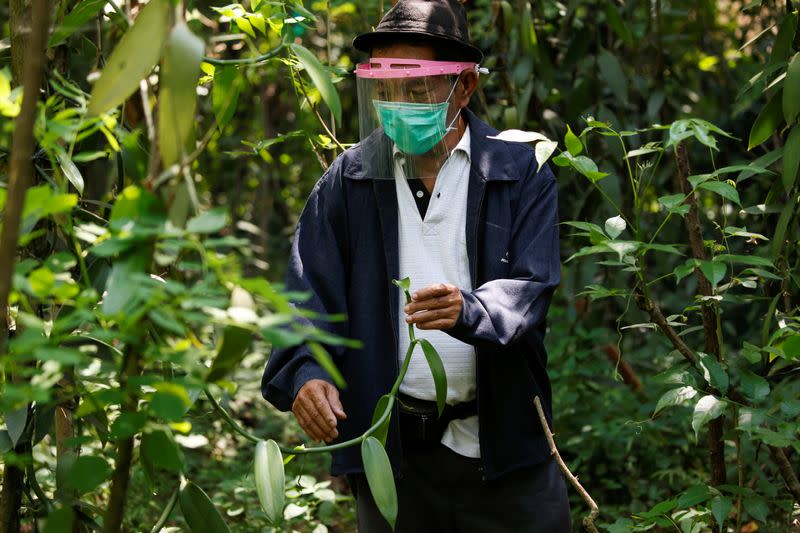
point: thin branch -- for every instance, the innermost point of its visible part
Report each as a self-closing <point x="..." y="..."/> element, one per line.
<point x="651" y="308"/>
<point x="247" y="60"/>
<point x="588" y="521"/>
<point x="786" y="470"/>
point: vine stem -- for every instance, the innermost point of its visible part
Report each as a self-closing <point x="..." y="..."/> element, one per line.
<point x="173" y="499"/>
<point x="247" y="60"/>
<point x="339" y="445"/>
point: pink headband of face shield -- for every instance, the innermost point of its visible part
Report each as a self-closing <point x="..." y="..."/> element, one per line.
<point x="388" y="67"/>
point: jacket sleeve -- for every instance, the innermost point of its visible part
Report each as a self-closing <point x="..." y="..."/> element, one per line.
<point x="501" y="311"/>
<point x="316" y="268"/>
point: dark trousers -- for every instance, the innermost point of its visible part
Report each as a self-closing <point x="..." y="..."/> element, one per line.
<point x="440" y="491"/>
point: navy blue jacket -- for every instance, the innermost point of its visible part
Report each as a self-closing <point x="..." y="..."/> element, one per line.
<point x="345" y="254"/>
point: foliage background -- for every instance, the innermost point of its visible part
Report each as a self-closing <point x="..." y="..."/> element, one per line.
<point x="553" y="64"/>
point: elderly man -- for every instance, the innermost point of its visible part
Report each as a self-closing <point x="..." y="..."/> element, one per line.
<point x="472" y="221"/>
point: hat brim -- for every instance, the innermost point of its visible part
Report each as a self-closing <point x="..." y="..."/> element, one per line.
<point x="367" y="41"/>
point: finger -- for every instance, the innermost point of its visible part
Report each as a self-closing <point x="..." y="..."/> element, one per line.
<point x="427" y="316"/>
<point x="326" y="417"/>
<point x="440" y="302"/>
<point x="332" y="394"/>
<point x="437" y="324"/>
<point x="431" y="291"/>
<point x="309" y="428"/>
<point x="310" y="423"/>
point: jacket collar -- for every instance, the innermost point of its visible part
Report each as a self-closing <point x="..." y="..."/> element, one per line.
<point x="490" y="159"/>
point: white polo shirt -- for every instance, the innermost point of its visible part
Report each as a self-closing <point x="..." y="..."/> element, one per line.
<point x="432" y="251"/>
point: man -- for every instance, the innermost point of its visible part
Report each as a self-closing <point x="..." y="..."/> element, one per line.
<point x="472" y="221"/>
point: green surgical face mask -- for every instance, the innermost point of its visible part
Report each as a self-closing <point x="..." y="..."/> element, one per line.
<point x="415" y="128"/>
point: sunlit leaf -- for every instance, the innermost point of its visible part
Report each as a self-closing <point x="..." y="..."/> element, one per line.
<point x="675" y="397"/>
<point x="707" y="409"/>
<point x="615" y="226"/>
<point x="321" y="79"/>
<point x="180" y="70"/>
<point x="518" y="136"/>
<point x="543" y="150"/>
<point x="69" y="169"/>
<point x="133" y="58"/>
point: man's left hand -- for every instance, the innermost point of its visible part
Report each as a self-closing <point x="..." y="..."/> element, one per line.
<point x="435" y="307"/>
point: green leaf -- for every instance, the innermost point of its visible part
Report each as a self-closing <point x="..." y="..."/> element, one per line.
<point x="723" y="189"/>
<point x="60" y="520"/>
<point x="41" y="282"/>
<point x="756" y="166"/>
<point x="170" y="402"/>
<point x="713" y="372"/>
<point x="783" y="42"/>
<point x="177" y="97"/>
<point x="720" y="508"/>
<point x="225" y="94"/>
<point x="757" y="508"/>
<point x="15" y="423"/>
<point x="324" y="359"/>
<point x="160" y="450"/>
<point x="693" y="496"/>
<point x="69" y="169"/>
<point x="707" y="409"/>
<point x="122" y="284"/>
<point x="574" y="145"/>
<point x="235" y="343"/>
<point x="80" y="15"/>
<point x="543" y="150"/>
<point x="270" y="480"/>
<point x="127" y="425"/>
<point x="87" y="473"/>
<point x="791" y="90"/>
<point x="781" y="227"/>
<point x="405" y="285"/>
<point x="713" y="271"/>
<point x="320" y="77"/>
<point x="133" y="58"/>
<point x="754" y="386"/>
<point x="791" y="158"/>
<point x="612" y="73"/>
<point x="437" y="370"/>
<point x="767" y="121"/>
<point x="615" y="226"/>
<point x="211" y="221"/>
<point x="380" y="478"/>
<point x="675" y="397"/>
<point x="385" y="402"/>
<point x="200" y="513"/>
<point x="753" y="260"/>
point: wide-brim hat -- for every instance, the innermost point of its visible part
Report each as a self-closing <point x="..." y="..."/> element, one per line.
<point x="443" y="21"/>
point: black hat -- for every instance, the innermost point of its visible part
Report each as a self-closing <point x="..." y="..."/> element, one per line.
<point x="442" y="21"/>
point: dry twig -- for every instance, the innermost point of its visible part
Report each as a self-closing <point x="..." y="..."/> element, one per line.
<point x="588" y="521"/>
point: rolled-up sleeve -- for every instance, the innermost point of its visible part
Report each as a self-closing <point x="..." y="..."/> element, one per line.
<point x="501" y="311"/>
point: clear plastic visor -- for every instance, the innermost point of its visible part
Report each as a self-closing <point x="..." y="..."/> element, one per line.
<point x="403" y="122"/>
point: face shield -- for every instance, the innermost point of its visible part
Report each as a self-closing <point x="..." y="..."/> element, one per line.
<point x="405" y="109"/>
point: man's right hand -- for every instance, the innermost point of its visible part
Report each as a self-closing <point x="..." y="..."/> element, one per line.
<point x="317" y="408"/>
